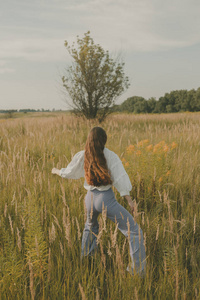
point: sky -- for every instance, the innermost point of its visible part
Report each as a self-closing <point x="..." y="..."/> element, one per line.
<point x="158" y="40"/>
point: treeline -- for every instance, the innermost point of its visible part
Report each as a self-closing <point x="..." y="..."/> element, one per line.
<point x="175" y="101"/>
<point x="8" y="111"/>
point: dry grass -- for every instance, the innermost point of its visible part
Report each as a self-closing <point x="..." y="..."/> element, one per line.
<point x="42" y="216"/>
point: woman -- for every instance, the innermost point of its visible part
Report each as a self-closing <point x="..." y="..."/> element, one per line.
<point x="102" y="168"/>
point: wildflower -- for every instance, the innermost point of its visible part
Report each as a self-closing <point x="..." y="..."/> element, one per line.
<point x="161" y="143"/>
<point x="123" y="160"/>
<point x="149" y="148"/>
<point x="127" y="164"/>
<point x="160" y="180"/>
<point x="174" y="145"/>
<point x="142" y="143"/>
<point x="138" y="153"/>
<point x="155" y="148"/>
<point x="145" y="141"/>
<point x="165" y="148"/>
<point x="168" y="173"/>
<point x="130" y="149"/>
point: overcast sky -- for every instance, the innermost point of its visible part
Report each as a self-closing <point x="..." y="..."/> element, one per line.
<point x="158" y="40"/>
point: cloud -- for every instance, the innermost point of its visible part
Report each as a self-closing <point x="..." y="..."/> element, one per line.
<point x="33" y="33"/>
<point x="141" y="25"/>
<point x="36" y="49"/>
<point x="37" y="30"/>
<point x="4" y="68"/>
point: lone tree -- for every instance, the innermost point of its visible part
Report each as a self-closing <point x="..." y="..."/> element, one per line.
<point x="94" y="80"/>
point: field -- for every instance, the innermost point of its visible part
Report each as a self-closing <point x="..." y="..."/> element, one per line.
<point x="42" y="215"/>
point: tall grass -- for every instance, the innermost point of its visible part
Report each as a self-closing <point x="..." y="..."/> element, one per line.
<point x="42" y="216"/>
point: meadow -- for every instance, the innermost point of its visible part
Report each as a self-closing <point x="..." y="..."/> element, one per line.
<point x="42" y="215"/>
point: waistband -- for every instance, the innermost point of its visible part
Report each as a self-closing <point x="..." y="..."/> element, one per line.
<point x="96" y="191"/>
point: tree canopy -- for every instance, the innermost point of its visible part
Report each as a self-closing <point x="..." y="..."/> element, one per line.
<point x="175" y="101"/>
<point x="94" y="80"/>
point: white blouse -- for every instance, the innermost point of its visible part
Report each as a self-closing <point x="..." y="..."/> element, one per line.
<point x="119" y="177"/>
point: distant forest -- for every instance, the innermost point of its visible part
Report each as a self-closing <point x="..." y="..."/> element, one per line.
<point x="175" y="101"/>
<point x="4" y="111"/>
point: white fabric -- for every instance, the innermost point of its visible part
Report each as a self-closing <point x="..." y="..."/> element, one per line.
<point x="119" y="177"/>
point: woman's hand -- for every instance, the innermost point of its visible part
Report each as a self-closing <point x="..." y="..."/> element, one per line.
<point x="132" y="207"/>
<point x="55" y="171"/>
<point x="131" y="203"/>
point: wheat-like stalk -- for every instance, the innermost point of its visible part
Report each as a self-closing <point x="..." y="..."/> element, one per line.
<point x="82" y="292"/>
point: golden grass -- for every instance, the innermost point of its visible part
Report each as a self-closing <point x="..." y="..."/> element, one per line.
<point x="42" y="216"/>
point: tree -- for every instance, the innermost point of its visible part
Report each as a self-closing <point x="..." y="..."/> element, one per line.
<point x="94" y="80"/>
<point x="192" y="99"/>
<point x="10" y="113"/>
<point x="160" y="106"/>
<point x="141" y="107"/>
<point x="197" y="99"/>
<point x="151" y="103"/>
<point x="130" y="104"/>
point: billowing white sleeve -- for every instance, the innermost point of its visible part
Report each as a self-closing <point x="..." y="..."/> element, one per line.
<point x="119" y="176"/>
<point x="75" y="168"/>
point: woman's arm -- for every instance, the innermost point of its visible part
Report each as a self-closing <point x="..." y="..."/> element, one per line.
<point x="130" y="202"/>
<point x="74" y="170"/>
<point x="55" y="171"/>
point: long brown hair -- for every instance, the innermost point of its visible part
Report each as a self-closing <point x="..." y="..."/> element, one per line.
<point x="95" y="166"/>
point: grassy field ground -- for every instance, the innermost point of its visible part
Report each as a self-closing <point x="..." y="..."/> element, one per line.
<point x="42" y="216"/>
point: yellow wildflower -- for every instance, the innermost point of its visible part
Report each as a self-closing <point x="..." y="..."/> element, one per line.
<point x="130" y="149"/>
<point x="142" y="143"/>
<point x="165" y="148"/>
<point x="168" y="173"/>
<point x="158" y="146"/>
<point x="123" y="160"/>
<point x="127" y="164"/>
<point x="145" y="141"/>
<point x="160" y="180"/>
<point x="174" y="145"/>
<point x="138" y="153"/>
<point x="149" y="148"/>
<point x="161" y="143"/>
